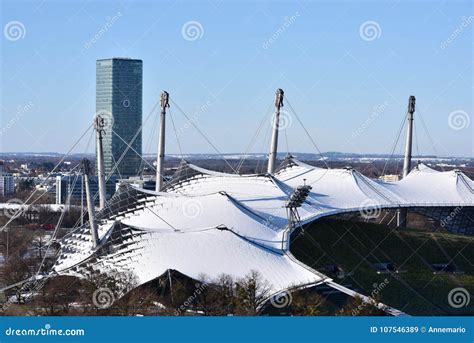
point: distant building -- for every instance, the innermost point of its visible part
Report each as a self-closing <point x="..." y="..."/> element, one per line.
<point x="7" y="184"/>
<point x="119" y="97"/>
<point x="67" y="184"/>
<point x="389" y="178"/>
<point x="147" y="183"/>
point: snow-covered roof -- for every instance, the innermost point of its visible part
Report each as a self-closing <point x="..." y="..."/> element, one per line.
<point x="209" y="234"/>
<point x="333" y="190"/>
<point x="427" y="187"/>
<point x="213" y="223"/>
<point x="343" y="189"/>
<point x="211" y="252"/>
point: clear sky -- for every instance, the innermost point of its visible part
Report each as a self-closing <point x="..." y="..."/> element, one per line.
<point x="347" y="68"/>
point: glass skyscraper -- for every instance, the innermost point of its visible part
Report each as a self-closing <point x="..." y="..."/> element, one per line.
<point x="119" y="101"/>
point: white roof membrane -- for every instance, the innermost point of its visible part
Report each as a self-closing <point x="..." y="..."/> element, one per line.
<point x="216" y="223"/>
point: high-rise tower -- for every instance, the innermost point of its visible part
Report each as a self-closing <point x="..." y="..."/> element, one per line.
<point x="119" y="101"/>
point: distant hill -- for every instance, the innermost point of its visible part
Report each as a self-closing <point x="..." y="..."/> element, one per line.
<point x="326" y="156"/>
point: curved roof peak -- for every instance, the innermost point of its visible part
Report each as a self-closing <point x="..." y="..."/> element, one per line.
<point x="292" y="161"/>
<point x="421" y="167"/>
<point x="188" y="165"/>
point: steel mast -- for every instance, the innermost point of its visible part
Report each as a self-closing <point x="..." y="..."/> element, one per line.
<point x="99" y="125"/>
<point x="90" y="202"/>
<point x="402" y="213"/>
<point x="276" y="127"/>
<point x="164" y="104"/>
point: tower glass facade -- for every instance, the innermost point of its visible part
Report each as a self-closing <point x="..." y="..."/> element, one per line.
<point x="119" y="101"/>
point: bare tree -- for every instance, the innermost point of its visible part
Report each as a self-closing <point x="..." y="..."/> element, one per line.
<point x="225" y="295"/>
<point x="57" y="296"/>
<point x="251" y="292"/>
<point x="15" y="271"/>
<point x="304" y="303"/>
<point x="141" y="300"/>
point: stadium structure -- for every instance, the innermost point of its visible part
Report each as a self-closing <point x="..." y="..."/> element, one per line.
<point x="203" y="222"/>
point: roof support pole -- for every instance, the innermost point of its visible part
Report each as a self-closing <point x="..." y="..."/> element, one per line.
<point x="90" y="203"/>
<point x="408" y="144"/>
<point x="275" y="128"/>
<point x="402" y="213"/>
<point x="99" y="124"/>
<point x="164" y="104"/>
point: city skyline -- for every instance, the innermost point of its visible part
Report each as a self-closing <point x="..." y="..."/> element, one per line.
<point x="348" y="78"/>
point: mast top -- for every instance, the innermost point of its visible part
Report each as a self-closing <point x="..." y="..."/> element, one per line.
<point x="86" y="166"/>
<point x="99" y="123"/>
<point x="164" y="99"/>
<point x="279" y="98"/>
<point x="411" y="104"/>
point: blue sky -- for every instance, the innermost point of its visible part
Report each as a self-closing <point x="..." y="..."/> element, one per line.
<point x="348" y="87"/>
